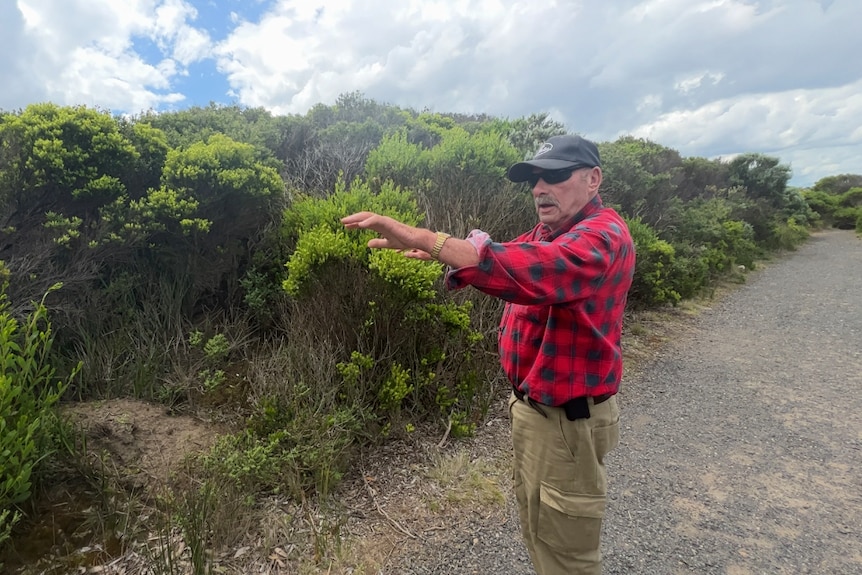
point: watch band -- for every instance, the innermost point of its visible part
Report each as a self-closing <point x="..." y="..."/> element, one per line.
<point x="438" y="245"/>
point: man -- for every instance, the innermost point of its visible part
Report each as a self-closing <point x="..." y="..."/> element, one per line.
<point x="565" y="283"/>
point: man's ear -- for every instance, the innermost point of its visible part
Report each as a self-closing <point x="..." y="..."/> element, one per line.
<point x="595" y="178"/>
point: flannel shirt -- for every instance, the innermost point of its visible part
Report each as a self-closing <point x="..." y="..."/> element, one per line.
<point x="560" y="335"/>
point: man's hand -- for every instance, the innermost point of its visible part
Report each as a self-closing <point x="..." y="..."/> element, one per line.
<point x="415" y="243"/>
<point x="394" y="234"/>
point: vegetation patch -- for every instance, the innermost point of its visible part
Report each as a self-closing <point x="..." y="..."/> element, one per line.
<point x="230" y="361"/>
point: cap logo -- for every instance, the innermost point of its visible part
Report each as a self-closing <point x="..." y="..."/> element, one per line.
<point x="546" y="147"/>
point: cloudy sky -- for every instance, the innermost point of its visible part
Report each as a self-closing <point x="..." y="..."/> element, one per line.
<point x="709" y="78"/>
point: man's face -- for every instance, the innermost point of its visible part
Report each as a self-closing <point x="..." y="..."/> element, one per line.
<point x="557" y="203"/>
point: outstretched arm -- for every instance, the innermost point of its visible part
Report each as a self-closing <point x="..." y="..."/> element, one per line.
<point x="415" y="242"/>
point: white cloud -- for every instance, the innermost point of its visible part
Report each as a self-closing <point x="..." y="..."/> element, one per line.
<point x="828" y="116"/>
<point x="83" y="51"/>
<point x="796" y="124"/>
<point x="112" y="82"/>
<point x="812" y="164"/>
<point x="171" y="16"/>
<point x="190" y="45"/>
<point x="691" y="83"/>
<point x="709" y="77"/>
<point x="448" y="53"/>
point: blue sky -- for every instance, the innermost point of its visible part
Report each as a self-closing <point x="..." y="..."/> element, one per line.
<point x="204" y="83"/>
<point x="710" y="78"/>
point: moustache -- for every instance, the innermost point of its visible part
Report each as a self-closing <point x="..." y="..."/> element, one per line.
<point x="546" y="201"/>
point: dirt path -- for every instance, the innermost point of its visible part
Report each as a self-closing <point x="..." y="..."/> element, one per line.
<point x="743" y="442"/>
<point x="742" y="445"/>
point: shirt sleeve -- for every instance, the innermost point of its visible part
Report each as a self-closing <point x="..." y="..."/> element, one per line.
<point x="571" y="267"/>
<point x="479" y="240"/>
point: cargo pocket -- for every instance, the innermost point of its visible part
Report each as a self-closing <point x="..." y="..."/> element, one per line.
<point x="570" y="521"/>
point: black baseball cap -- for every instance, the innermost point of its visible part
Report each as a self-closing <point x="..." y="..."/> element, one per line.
<point x="558" y="152"/>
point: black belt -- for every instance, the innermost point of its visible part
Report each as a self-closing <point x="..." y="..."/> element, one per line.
<point x="577" y="408"/>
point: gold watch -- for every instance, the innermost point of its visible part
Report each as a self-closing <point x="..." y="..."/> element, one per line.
<point x="438" y="245"/>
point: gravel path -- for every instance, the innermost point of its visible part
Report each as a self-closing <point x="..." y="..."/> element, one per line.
<point x="742" y="440"/>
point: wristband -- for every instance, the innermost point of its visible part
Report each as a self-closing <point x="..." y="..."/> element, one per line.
<point x="438" y="245"/>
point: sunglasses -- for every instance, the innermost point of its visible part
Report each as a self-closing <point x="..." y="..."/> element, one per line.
<point x="551" y="176"/>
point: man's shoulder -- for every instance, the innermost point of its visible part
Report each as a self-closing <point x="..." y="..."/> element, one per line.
<point x="605" y="225"/>
<point x="605" y="217"/>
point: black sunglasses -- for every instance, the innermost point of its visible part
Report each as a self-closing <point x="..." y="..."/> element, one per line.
<point x="551" y="176"/>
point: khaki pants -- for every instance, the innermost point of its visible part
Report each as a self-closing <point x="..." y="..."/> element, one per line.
<point x="560" y="483"/>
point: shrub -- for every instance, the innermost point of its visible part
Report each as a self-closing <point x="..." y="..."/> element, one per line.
<point x="789" y="234"/>
<point x="652" y="284"/>
<point x="822" y="203"/>
<point x="690" y="271"/>
<point x="839" y="210"/>
<point x="458" y="176"/>
<point x="29" y="391"/>
<point x="371" y="342"/>
<point x="704" y="230"/>
<point x="387" y="302"/>
<point x="845" y="217"/>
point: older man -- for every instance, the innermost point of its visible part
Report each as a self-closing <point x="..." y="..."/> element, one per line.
<point x="565" y="284"/>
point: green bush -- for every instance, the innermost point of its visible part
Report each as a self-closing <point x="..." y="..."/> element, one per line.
<point x="652" y="284"/>
<point x="738" y="244"/>
<point x="845" y="217"/>
<point x="29" y="391"/>
<point x="373" y="345"/>
<point x="458" y="176"/>
<point x="839" y="210"/>
<point x="287" y="449"/>
<point x="690" y="270"/>
<point x="822" y="203"/>
<point x="789" y="234"/>
<point x="388" y="302"/>
<point x="852" y="197"/>
<point x="703" y="229"/>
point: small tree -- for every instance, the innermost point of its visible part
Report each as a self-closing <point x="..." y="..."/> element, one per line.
<point x="60" y="167"/>
<point x="640" y="177"/>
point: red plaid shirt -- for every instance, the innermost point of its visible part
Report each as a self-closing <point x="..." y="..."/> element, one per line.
<point x="561" y="330"/>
